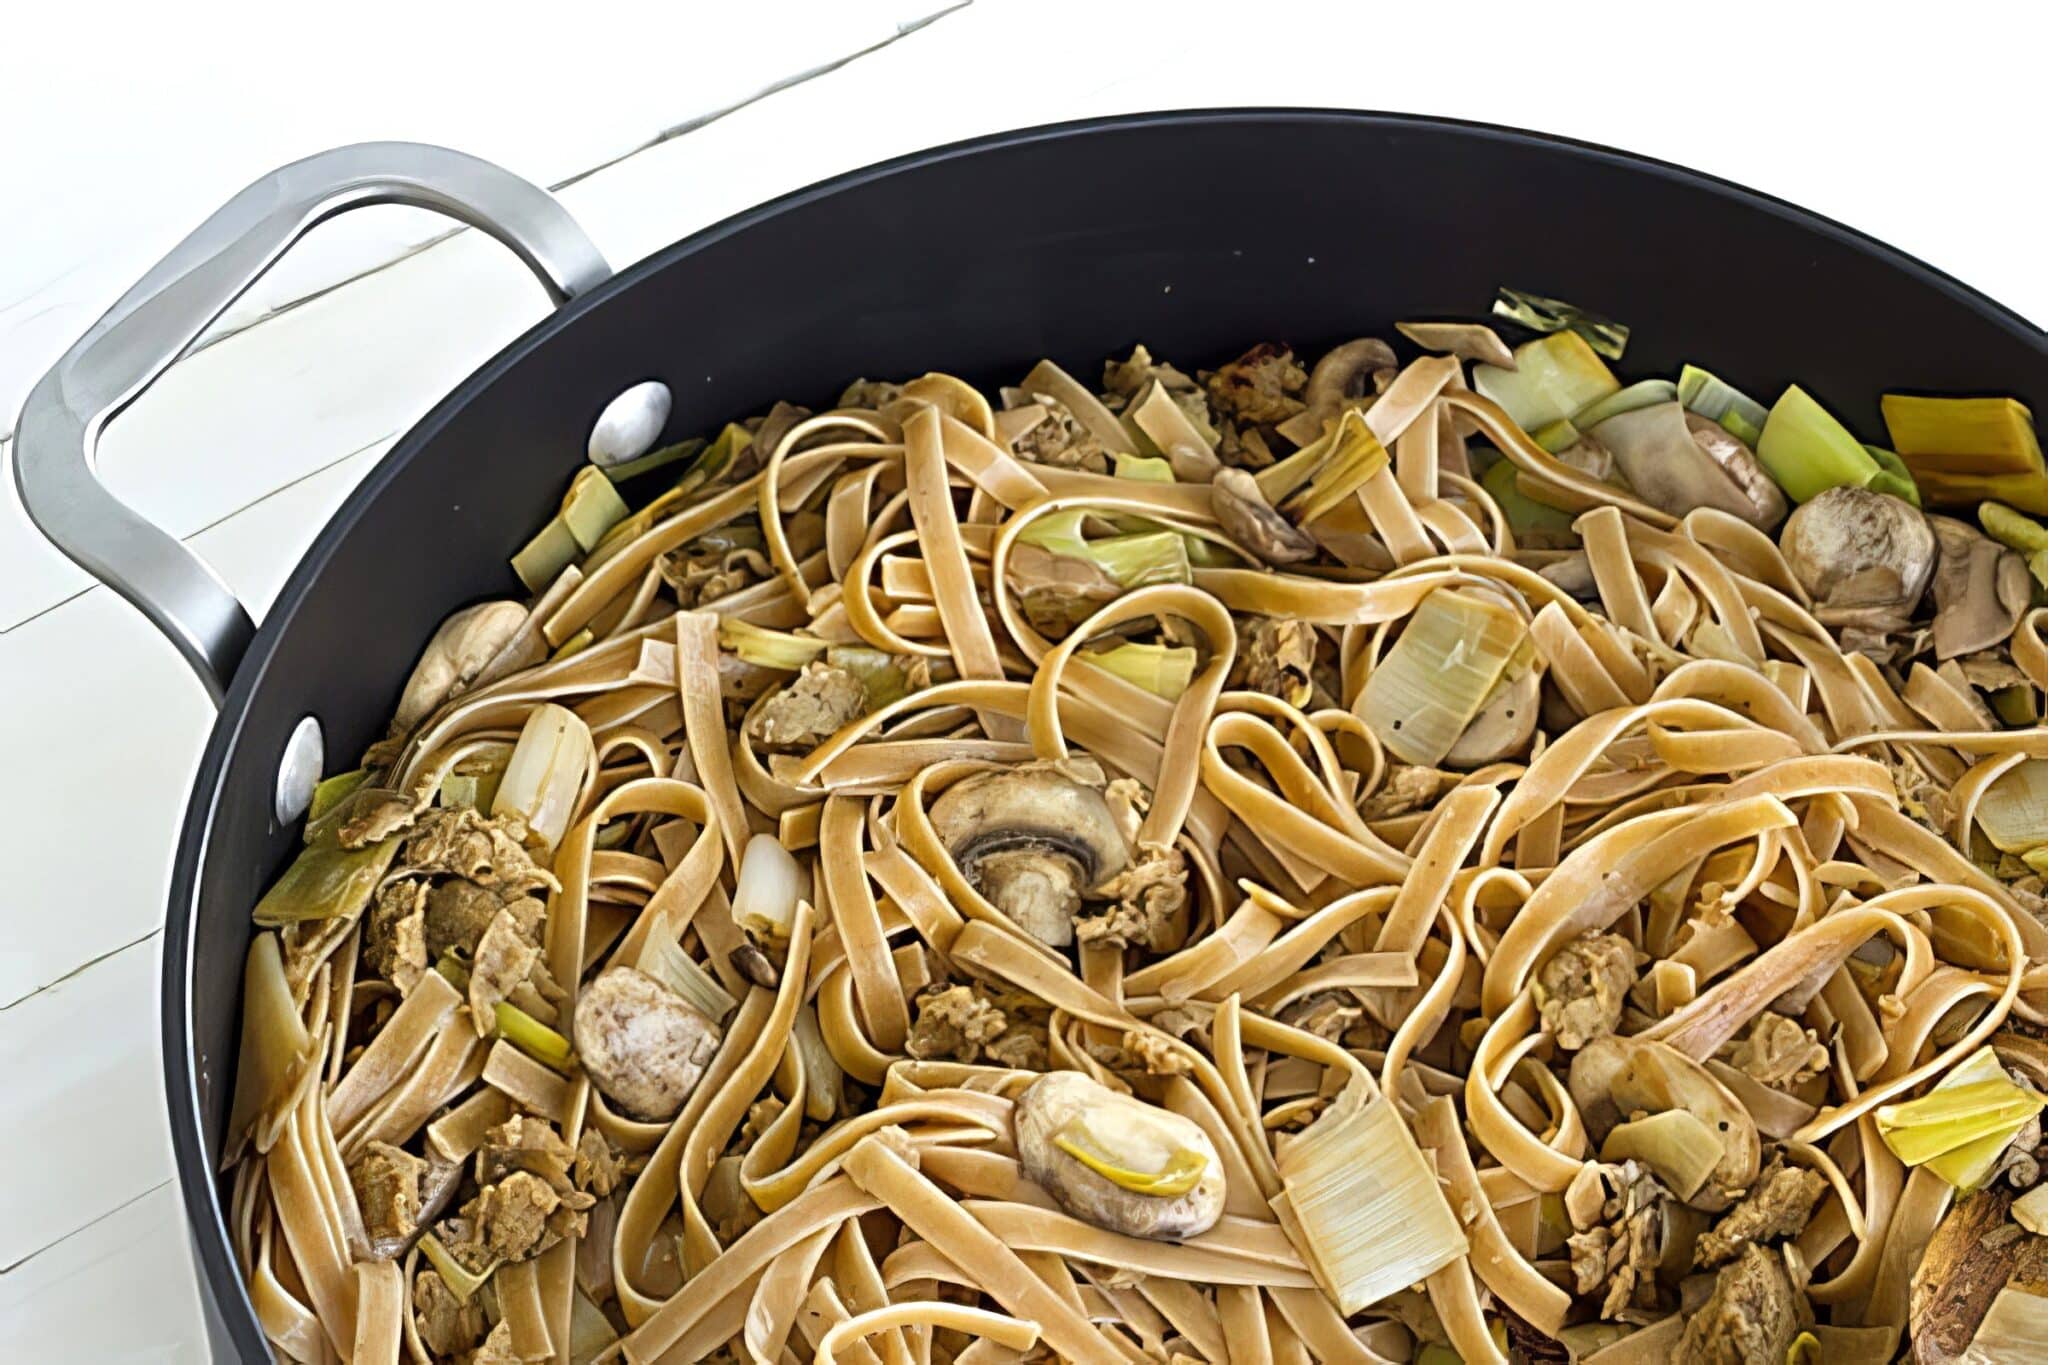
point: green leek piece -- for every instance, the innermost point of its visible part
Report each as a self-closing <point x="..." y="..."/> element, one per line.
<point x="1144" y="469"/>
<point x="1163" y="670"/>
<point x="546" y="555"/>
<point x="1559" y="435"/>
<point x="1134" y="561"/>
<point x="1676" y="1144"/>
<point x="1181" y="1173"/>
<point x="330" y="790"/>
<point x="454" y="969"/>
<point x="1354" y="456"/>
<point x="592" y="507"/>
<point x="1644" y="393"/>
<point x="1808" y="452"/>
<point x="532" y="1037"/>
<point x="1804" y="1350"/>
<point x="2009" y="527"/>
<point x="1739" y="415"/>
<point x="1523" y="512"/>
<point x="1965" y="450"/>
<point x="664" y="959"/>
<point x="1554" y="376"/>
<point x="655" y="459"/>
<point x="575" y="644"/>
<point x="1439" y="672"/>
<point x="1959" y="1128"/>
<point x="767" y="648"/>
<point x="881" y="673"/>
<point x="1892" y="475"/>
<point x="1540" y="314"/>
<point x="462" y="1282"/>
<point x="326" y="881"/>
<point x="2018" y="706"/>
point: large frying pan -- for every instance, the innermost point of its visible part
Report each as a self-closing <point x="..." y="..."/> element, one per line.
<point x="1195" y="232"/>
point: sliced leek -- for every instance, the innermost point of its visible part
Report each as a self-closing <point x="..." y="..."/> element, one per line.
<point x="1554" y="315"/>
<point x="1163" y="670"/>
<point x="1976" y="1106"/>
<point x="1559" y="435"/>
<point x="1892" y="475"/>
<point x="767" y="648"/>
<point x="1676" y="1144"/>
<point x="665" y="960"/>
<point x="546" y="555"/>
<point x="325" y="880"/>
<point x="655" y="459"/>
<point x="575" y="644"/>
<point x="1964" y="450"/>
<point x="1554" y="376"/>
<point x="1144" y="468"/>
<point x="328" y="793"/>
<point x="1373" y="1218"/>
<point x="2013" y="811"/>
<point x="770" y="882"/>
<point x="462" y="1282"/>
<point x="1739" y="414"/>
<point x="2007" y="527"/>
<point x="1525" y="515"/>
<point x="1439" y="673"/>
<point x="1808" y="452"/>
<point x="532" y="1037"/>
<point x="546" y="772"/>
<point x="883" y="675"/>
<point x="592" y="508"/>
<point x="1181" y="1171"/>
<point x="1645" y="393"/>
<point x="1354" y="456"/>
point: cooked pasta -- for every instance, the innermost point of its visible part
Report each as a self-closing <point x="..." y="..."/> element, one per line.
<point x="1281" y="866"/>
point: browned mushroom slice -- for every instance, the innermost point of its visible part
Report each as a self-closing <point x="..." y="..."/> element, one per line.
<point x="1861" y="555"/>
<point x="1031" y="839"/>
<point x="1504" y="725"/>
<point x="1343" y="376"/>
<point x="1980" y="590"/>
<point x="1246" y="517"/>
<point x="1677" y="461"/>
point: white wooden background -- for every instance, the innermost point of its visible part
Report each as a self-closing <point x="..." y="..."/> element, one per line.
<point x="125" y="127"/>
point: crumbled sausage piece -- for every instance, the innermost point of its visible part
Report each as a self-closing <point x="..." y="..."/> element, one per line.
<point x="818" y="702"/>
<point x="1778" y="1051"/>
<point x="870" y="393"/>
<point x="372" y="817"/>
<point x="1583" y="985"/>
<point x="448" y="1326"/>
<point x="459" y="910"/>
<point x="489" y="850"/>
<point x="1409" y="787"/>
<point x="1152" y="1053"/>
<point x="394" y="938"/>
<point x="1261" y="386"/>
<point x="387" y="1185"/>
<point x="641" y="1043"/>
<point x="1150" y="894"/>
<point x="524" y="1143"/>
<point x="1326" y="1014"/>
<point x="953" y="1024"/>
<point x="700" y="573"/>
<point x="1278" y="658"/>
<point x="1058" y="439"/>
<point x="1777" y="1206"/>
<point x="504" y="960"/>
<point x="523" y="1215"/>
<point x="1621" y="1251"/>
<point x="1022" y="1048"/>
<point x="497" y="1348"/>
<point x="599" y="1167"/>
<point x="1752" y="1315"/>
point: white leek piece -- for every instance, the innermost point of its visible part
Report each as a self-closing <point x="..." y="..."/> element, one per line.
<point x="1163" y="670"/>
<point x="1371" y="1218"/>
<point x="549" y="765"/>
<point x="1676" y="1144"/>
<point x="1554" y="376"/>
<point x="2014" y="1328"/>
<point x="2013" y="811"/>
<point x="770" y="883"/>
<point x="1439" y="673"/>
<point x="1643" y="394"/>
<point x="664" y="959"/>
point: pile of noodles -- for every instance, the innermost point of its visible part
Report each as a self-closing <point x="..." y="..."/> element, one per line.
<point x="1724" y="752"/>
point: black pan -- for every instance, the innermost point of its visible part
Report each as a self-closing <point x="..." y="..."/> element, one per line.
<point x="1195" y="232"/>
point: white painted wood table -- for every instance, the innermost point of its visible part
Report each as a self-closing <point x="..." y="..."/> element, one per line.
<point x="246" y="446"/>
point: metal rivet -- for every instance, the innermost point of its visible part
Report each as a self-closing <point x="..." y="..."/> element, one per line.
<point x="630" y="424"/>
<point x="298" y="772"/>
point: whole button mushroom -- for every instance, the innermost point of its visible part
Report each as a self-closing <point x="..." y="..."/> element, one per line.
<point x="1031" y="839"/>
<point x="463" y="645"/>
<point x="1116" y="1161"/>
<point x="1863" y="557"/>
<point x="630" y="424"/>
<point x="1249" y="520"/>
<point x="641" y="1043"/>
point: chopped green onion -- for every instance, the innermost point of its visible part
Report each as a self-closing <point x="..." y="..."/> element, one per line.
<point x="767" y="648"/>
<point x="532" y="1037"/>
<point x="681" y="450"/>
<point x="1739" y="415"/>
<point x="1163" y="670"/>
<point x="1808" y="452"/>
<point x="1540" y="314"/>
<point x="328" y="793"/>
<point x="1554" y="376"/>
<point x="1144" y="469"/>
<point x="1644" y="393"/>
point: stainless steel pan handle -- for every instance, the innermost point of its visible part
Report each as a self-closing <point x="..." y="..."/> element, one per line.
<point x="154" y="322"/>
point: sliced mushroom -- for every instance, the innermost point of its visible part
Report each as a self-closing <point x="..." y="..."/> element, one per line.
<point x="458" y="652"/>
<point x="1248" y="519"/>
<point x="1677" y="461"/>
<point x="1032" y="839"/>
<point x="1116" y="1161"/>
<point x="1614" y="1077"/>
<point x="1980" y="589"/>
<point x="1863" y="557"/>
<point x="1504" y="725"/>
<point x="1466" y="340"/>
<point x="641" y="1043"/>
<point x="1345" y="374"/>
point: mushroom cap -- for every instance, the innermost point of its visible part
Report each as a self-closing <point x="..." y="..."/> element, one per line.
<point x="1249" y="520"/>
<point x="1615" y="1076"/>
<point x="1851" y="548"/>
<point x="1031" y="839"/>
<point x="1346" y="372"/>
<point x="458" y="651"/>
<point x="1151" y="1135"/>
<point x="642" y="1044"/>
<point x="1677" y="460"/>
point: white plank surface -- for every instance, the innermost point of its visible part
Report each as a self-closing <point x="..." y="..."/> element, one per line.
<point x="247" y="446"/>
